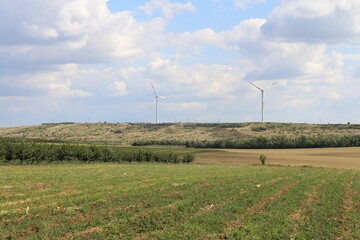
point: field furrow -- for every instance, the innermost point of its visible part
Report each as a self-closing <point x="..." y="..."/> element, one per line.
<point x="350" y="219"/>
<point x="158" y="201"/>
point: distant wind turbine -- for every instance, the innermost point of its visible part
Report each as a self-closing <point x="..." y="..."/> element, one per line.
<point x="262" y="97"/>
<point x="156" y="102"/>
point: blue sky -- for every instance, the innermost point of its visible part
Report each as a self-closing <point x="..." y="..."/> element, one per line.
<point x="95" y="60"/>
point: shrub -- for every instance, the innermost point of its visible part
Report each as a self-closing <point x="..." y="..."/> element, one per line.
<point x="188" y="158"/>
<point x="258" y="129"/>
<point x="276" y="142"/>
<point x="25" y="152"/>
<point x="262" y="159"/>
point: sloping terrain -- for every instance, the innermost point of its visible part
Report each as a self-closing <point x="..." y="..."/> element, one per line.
<point x="127" y="133"/>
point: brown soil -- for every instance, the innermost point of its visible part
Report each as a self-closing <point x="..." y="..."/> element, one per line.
<point x="345" y="158"/>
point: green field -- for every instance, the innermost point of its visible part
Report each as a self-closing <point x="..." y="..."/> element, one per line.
<point x="160" y="201"/>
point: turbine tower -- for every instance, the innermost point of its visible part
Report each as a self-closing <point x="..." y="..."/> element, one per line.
<point x="156" y="102"/>
<point x="262" y="97"/>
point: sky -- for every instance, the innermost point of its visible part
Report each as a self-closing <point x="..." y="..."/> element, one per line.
<point x="95" y="60"/>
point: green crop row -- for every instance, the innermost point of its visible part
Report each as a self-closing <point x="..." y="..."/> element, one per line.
<point x="158" y="201"/>
<point x="275" y="142"/>
<point x="24" y="152"/>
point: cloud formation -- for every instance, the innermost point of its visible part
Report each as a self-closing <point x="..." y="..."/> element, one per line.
<point x="79" y="31"/>
<point x="244" y="3"/>
<point x="322" y="21"/>
<point x="83" y="55"/>
<point x="167" y="8"/>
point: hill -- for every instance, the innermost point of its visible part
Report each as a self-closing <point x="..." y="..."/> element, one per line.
<point x="127" y="133"/>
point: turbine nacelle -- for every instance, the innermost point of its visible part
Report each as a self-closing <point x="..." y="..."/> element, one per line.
<point x="262" y="97"/>
<point x="156" y="102"/>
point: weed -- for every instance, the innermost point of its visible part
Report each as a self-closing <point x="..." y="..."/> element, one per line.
<point x="262" y="159"/>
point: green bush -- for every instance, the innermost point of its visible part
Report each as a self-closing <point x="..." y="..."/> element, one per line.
<point x="258" y="129"/>
<point x="262" y="159"/>
<point x="276" y="142"/>
<point x="24" y="152"/>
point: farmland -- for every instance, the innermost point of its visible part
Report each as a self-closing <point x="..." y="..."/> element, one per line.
<point x="159" y="201"/>
<point x="125" y="192"/>
<point x="344" y="158"/>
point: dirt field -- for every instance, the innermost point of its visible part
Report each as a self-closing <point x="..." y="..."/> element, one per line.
<point x="346" y="158"/>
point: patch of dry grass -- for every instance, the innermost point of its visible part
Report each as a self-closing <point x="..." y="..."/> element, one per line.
<point x="127" y="133"/>
<point x="346" y="158"/>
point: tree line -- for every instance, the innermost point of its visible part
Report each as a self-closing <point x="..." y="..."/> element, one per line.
<point x="28" y="152"/>
<point x="275" y="142"/>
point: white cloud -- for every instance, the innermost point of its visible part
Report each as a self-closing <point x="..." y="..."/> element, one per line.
<point x="246" y="31"/>
<point x="216" y="89"/>
<point x="244" y="3"/>
<point x="185" y="106"/>
<point x="298" y="103"/>
<point x="334" y="95"/>
<point x="119" y="88"/>
<point x="269" y="59"/>
<point x="56" y="83"/>
<point x="53" y="84"/>
<point x="35" y="31"/>
<point x="167" y="8"/>
<point x="180" y="82"/>
<point x="78" y="53"/>
<point x="78" y="31"/>
<point x="15" y="110"/>
<point x="297" y="62"/>
<point x="321" y="21"/>
<point x="12" y="98"/>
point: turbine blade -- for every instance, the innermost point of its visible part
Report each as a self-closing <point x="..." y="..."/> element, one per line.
<point x="152" y="105"/>
<point x="271" y="85"/>
<point x="163" y="97"/>
<point x="255" y="86"/>
<point x="154" y="89"/>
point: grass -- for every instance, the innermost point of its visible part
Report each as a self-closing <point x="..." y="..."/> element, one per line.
<point x="158" y="201"/>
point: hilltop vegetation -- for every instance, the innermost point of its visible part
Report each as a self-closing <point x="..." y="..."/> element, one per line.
<point x="128" y="133"/>
<point x="275" y="142"/>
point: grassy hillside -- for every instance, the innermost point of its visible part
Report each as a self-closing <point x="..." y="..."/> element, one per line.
<point x="127" y="133"/>
<point x="138" y="201"/>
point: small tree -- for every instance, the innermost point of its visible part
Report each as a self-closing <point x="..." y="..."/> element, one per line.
<point x="262" y="159"/>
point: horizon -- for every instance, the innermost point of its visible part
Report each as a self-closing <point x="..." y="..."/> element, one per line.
<point x="94" y="61"/>
<point x="175" y="123"/>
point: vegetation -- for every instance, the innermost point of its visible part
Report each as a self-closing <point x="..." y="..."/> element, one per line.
<point x="262" y="159"/>
<point x="158" y="201"/>
<point x="276" y="142"/>
<point x="26" y="152"/>
<point x="127" y="133"/>
<point x="258" y="129"/>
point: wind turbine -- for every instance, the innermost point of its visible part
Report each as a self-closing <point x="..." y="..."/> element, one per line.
<point x="262" y="97"/>
<point x="156" y="101"/>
